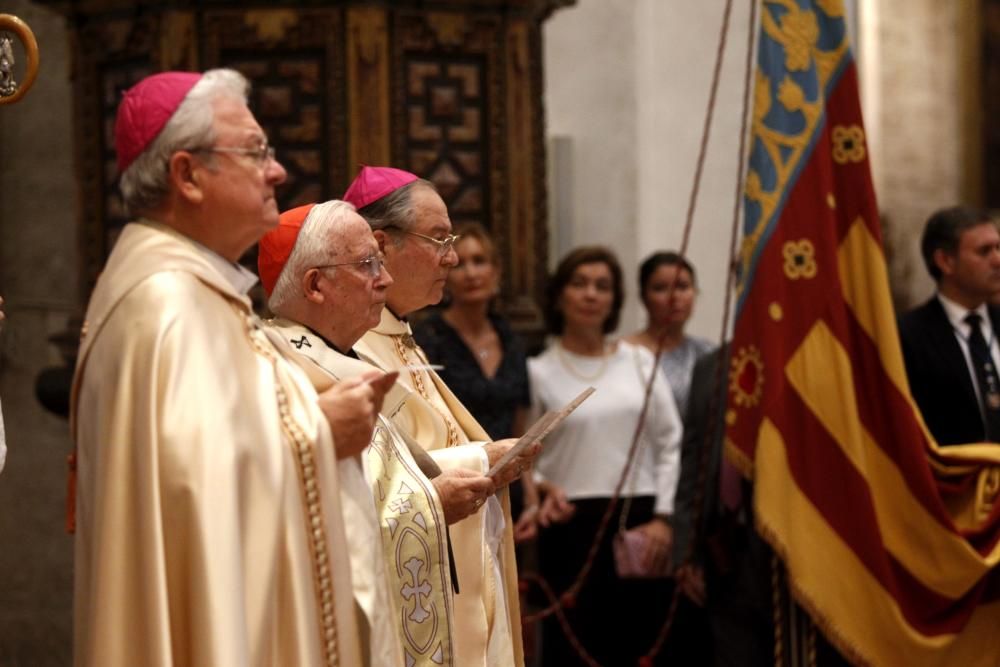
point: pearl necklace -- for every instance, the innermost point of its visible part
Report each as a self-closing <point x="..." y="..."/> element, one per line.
<point x="567" y="363"/>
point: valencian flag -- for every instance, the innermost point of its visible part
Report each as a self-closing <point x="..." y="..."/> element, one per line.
<point x="890" y="542"/>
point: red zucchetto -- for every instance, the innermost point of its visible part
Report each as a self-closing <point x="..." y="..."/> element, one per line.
<point x="276" y="246"/>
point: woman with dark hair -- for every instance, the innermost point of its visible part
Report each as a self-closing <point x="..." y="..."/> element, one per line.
<point x="581" y="463"/>
<point x="484" y="361"/>
<point x="668" y="310"/>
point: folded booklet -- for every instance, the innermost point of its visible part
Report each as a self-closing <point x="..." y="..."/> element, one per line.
<point x="537" y="431"/>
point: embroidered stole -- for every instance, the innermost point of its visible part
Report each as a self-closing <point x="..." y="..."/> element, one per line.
<point x="411" y="520"/>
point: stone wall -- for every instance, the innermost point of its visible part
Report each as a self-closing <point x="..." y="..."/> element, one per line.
<point x="626" y="91"/>
<point x="924" y="127"/>
<point x="38" y="279"/>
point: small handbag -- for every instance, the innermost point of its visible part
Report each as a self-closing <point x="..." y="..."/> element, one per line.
<point x="630" y="548"/>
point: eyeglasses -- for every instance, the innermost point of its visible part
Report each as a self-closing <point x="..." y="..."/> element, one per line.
<point x="444" y="245"/>
<point x="372" y="264"/>
<point x="262" y="154"/>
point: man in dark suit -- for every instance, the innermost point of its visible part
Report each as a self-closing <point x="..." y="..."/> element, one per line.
<point x="950" y="342"/>
<point x="724" y="564"/>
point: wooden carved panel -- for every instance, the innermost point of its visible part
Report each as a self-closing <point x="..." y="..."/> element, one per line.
<point x="454" y="107"/>
<point x="447" y="71"/>
<point x="450" y="90"/>
<point x="126" y="52"/>
<point x="446" y="132"/>
<point x="527" y="216"/>
<point x="991" y="102"/>
<point x="368" y="88"/>
<point x="295" y="62"/>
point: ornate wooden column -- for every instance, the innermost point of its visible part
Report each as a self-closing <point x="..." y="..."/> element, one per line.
<point x="449" y="90"/>
<point x="990" y="79"/>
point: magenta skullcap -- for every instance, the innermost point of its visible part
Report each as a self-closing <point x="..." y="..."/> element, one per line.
<point x="145" y="109"/>
<point x="373" y="183"/>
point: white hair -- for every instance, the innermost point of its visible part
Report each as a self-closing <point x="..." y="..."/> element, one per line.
<point x="146" y="182"/>
<point x="315" y="245"/>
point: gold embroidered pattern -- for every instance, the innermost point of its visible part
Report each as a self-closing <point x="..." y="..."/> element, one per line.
<point x="848" y="144"/>
<point x="834" y="8"/>
<point x="405" y="342"/>
<point x="414" y="542"/>
<point x="416" y="377"/>
<point x="761" y="97"/>
<point x="309" y="485"/>
<point x="746" y="377"/>
<point x="800" y="31"/>
<point x="779" y="145"/>
<point x="800" y="259"/>
<point x="791" y="95"/>
<point x="990" y="489"/>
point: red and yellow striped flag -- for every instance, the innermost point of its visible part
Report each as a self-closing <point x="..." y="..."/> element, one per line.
<point x="890" y="542"/>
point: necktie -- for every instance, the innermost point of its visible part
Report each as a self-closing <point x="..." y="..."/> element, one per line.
<point x="986" y="377"/>
<point x="730" y="485"/>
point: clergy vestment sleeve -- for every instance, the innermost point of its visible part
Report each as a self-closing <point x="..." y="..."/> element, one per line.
<point x="470" y="457"/>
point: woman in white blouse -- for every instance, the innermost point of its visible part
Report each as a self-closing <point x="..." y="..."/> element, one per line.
<point x="582" y="461"/>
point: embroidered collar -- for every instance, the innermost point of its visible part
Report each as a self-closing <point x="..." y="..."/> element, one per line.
<point x="390" y="325"/>
<point x="236" y="276"/>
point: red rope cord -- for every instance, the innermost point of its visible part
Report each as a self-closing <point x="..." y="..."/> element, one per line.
<point x="720" y="369"/>
<point x="557" y="604"/>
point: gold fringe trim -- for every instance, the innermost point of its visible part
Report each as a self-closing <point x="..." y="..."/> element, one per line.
<point x="826" y="625"/>
<point x="738" y="459"/>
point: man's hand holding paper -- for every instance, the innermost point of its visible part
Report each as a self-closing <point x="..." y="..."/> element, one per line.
<point x="504" y="468"/>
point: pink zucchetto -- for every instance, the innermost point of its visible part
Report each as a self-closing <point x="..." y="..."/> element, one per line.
<point x="145" y="109"/>
<point x="276" y="246"/>
<point x="373" y="183"/>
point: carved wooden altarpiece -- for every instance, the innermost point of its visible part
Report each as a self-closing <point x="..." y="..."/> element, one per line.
<point x="449" y="90"/>
<point x="991" y="102"/>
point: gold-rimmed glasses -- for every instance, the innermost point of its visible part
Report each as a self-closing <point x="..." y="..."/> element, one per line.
<point x="262" y="154"/>
<point x="444" y="245"/>
<point x="371" y="264"/>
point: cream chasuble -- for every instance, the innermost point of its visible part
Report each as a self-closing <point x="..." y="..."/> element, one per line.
<point x="209" y="526"/>
<point x="3" y="443"/>
<point x="403" y="514"/>
<point x="443" y="427"/>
